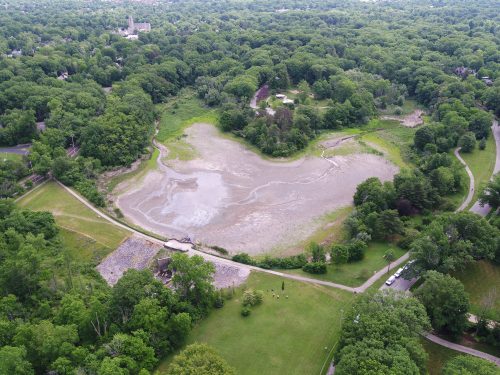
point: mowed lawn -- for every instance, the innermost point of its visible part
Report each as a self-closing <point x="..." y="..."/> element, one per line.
<point x="481" y="163"/>
<point x="356" y="273"/>
<point x="285" y="336"/>
<point x="482" y="281"/>
<point x="72" y="215"/>
<point x="4" y="156"/>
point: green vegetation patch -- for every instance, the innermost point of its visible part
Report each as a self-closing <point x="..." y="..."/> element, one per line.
<point x="481" y="282"/>
<point x="146" y="166"/>
<point x="438" y="356"/>
<point x="72" y="215"/>
<point x="285" y="336"/>
<point x="4" y="156"/>
<point x="481" y="163"/>
<point x="181" y="112"/>
<point x="356" y="273"/>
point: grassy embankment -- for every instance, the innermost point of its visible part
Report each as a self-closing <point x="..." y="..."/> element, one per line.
<point x="285" y="336"/>
<point x="481" y="280"/>
<point x="82" y="230"/>
<point x="356" y="273"/>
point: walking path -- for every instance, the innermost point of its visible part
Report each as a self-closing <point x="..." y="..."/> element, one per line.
<point x="463" y="349"/>
<point x="214" y="258"/>
<point x="468" y="199"/>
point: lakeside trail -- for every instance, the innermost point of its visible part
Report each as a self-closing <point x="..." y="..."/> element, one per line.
<point x="216" y="259"/>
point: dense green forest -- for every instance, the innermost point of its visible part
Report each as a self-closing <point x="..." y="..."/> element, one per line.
<point x="68" y="78"/>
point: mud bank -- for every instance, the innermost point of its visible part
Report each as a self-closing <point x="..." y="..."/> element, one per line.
<point x="231" y="197"/>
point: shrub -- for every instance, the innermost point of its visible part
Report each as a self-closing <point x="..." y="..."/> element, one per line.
<point x="252" y="297"/>
<point x="288" y="263"/>
<point x="315" y="267"/>
<point x="245" y="311"/>
<point x="356" y="250"/>
<point x="219" y="249"/>
<point x="482" y="144"/>
<point x="244" y="258"/>
<point x="219" y="301"/>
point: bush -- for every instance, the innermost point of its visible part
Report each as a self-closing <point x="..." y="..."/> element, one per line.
<point x="252" y="297"/>
<point x="357" y="250"/>
<point x="245" y="311"/>
<point x="244" y="258"/>
<point x="482" y="144"/>
<point x="219" y="301"/>
<point x="287" y="263"/>
<point x="315" y="267"/>
<point x="220" y="250"/>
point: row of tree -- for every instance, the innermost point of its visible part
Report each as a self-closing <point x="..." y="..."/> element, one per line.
<point x="58" y="315"/>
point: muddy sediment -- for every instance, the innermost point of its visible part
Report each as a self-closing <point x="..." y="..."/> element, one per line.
<point x="231" y="197"/>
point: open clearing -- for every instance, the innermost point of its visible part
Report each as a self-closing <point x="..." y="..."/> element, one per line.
<point x="231" y="197"/>
<point x="481" y="282"/>
<point x="285" y="336"/>
<point x="481" y="163"/>
<point x="72" y="215"/>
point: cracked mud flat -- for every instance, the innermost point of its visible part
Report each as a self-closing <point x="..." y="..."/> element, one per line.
<point x="231" y="197"/>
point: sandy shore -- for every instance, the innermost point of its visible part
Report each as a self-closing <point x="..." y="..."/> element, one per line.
<point x="231" y="197"/>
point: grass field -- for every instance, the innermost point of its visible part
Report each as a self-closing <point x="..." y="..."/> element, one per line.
<point x="481" y="163"/>
<point x="481" y="281"/>
<point x="72" y="215"/>
<point x="285" y="336"/>
<point x="355" y="274"/>
<point x="438" y="356"/>
<point x="4" y="156"/>
<point x="83" y="248"/>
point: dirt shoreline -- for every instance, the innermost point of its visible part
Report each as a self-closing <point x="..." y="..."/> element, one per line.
<point x="231" y="197"/>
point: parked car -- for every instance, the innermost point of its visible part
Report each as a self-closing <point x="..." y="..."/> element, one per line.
<point x="390" y="280"/>
<point x="408" y="265"/>
<point x="399" y="272"/>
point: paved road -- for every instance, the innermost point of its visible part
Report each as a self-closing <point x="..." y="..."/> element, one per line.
<point x="19" y="149"/>
<point x="401" y="284"/>
<point x="462" y="348"/>
<point x="477" y="208"/>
